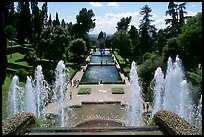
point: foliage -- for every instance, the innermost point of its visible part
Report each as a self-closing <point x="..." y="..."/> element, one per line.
<point x="117" y="90"/>
<point x="84" y="91"/>
<point x="78" y="48"/>
<point x="22" y="74"/>
<point x="176" y="11"/>
<point x="10" y="32"/>
<point x="147" y="68"/>
<point x="134" y="36"/>
<point x="123" y="24"/>
<point x="146" y="30"/>
<point x="53" y="43"/>
<point x="122" y="41"/>
<point x="195" y="79"/>
<point x="84" y="21"/>
<point x="24" y="27"/>
<point x="190" y="40"/>
<point x="30" y="57"/>
<point x="171" y="49"/>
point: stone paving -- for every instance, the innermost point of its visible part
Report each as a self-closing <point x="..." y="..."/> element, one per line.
<point x="99" y="93"/>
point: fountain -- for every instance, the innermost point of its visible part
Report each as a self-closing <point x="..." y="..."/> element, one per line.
<point x="34" y="97"/>
<point x="135" y="106"/>
<point x="41" y="89"/>
<point x="198" y="118"/>
<point x="173" y="93"/>
<point x="15" y="101"/>
<point x="158" y="90"/>
<point x="29" y="101"/>
<point x="60" y="86"/>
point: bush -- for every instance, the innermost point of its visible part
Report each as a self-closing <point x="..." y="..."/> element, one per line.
<point x="30" y="57"/>
<point x="10" y="32"/>
<point x="84" y="91"/>
<point x="117" y="90"/>
<point x="22" y="74"/>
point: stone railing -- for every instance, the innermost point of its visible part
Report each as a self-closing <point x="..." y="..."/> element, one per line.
<point x="171" y="124"/>
<point x="18" y="124"/>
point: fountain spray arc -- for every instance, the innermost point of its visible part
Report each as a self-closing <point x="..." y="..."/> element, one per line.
<point x="135" y="106"/>
<point x="173" y="93"/>
<point x="34" y="97"/>
<point x="15" y="95"/>
<point x="61" y="85"/>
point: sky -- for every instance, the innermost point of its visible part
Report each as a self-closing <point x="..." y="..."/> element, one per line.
<point x="107" y="14"/>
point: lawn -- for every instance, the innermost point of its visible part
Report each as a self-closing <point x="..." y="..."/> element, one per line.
<point x="17" y="57"/>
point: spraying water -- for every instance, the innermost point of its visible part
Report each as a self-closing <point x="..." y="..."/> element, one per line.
<point x="41" y="89"/>
<point x="158" y="90"/>
<point x="135" y="108"/>
<point x="29" y="101"/>
<point x="176" y="96"/>
<point x="14" y="102"/>
<point x="198" y="119"/>
<point x="60" y="87"/>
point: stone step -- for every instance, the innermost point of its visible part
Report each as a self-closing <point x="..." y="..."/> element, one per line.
<point x="150" y="130"/>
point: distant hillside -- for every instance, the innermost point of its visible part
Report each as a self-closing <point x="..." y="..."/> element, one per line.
<point x="94" y="37"/>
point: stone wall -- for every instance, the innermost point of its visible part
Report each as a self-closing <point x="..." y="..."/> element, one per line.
<point x="171" y="124"/>
<point x="18" y="124"/>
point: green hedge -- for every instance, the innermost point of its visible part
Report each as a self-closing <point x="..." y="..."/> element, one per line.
<point x="117" y="90"/>
<point x="84" y="91"/>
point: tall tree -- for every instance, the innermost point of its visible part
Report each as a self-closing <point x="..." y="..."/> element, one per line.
<point x="36" y="18"/>
<point x="146" y="30"/>
<point x="101" y="39"/>
<point x="173" y="21"/>
<point x="53" y="43"/>
<point x="134" y="36"/>
<point x="9" y="13"/>
<point x="122" y="41"/>
<point x="63" y="24"/>
<point x="44" y="14"/>
<point x="57" y="19"/>
<point x="24" y="27"/>
<point x="85" y="21"/>
<point x="123" y="24"/>
<point x="182" y="18"/>
<point x="49" y="23"/>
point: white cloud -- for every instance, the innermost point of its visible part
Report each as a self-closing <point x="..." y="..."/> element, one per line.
<point x="193" y="5"/>
<point x="96" y="4"/>
<point x="191" y="13"/>
<point x="108" y="22"/>
<point x="113" y="4"/>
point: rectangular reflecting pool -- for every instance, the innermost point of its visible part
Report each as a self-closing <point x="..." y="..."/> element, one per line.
<point x="98" y="59"/>
<point x="101" y="73"/>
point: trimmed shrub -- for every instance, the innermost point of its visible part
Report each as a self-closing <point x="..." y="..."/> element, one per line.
<point x="84" y="91"/>
<point x="117" y="90"/>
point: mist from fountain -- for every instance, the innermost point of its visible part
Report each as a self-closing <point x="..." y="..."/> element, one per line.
<point x="14" y="101"/>
<point x="41" y="88"/>
<point x="34" y="96"/>
<point x="158" y="90"/>
<point x="135" y="106"/>
<point x="198" y="117"/>
<point x="60" y="86"/>
<point x="29" y="100"/>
